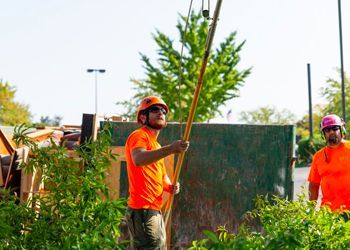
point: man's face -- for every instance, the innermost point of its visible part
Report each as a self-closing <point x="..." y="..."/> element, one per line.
<point x="156" y="117"/>
<point x="333" y="135"/>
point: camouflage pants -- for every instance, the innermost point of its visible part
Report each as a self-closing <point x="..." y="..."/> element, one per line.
<point x="146" y="228"/>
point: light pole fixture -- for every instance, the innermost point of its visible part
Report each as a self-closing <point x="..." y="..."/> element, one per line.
<point x="96" y="71"/>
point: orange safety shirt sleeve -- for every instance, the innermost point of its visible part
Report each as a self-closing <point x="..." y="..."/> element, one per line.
<point x="314" y="176"/>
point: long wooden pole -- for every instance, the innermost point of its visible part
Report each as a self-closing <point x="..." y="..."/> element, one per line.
<point x="190" y="118"/>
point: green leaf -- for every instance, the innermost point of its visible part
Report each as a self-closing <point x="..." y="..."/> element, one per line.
<point x="210" y="235"/>
<point x="176" y="85"/>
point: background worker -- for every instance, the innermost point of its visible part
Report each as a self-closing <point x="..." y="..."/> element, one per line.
<point x="330" y="167"/>
<point x="147" y="175"/>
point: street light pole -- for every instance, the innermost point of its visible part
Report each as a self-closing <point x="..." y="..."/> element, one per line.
<point x="96" y="71"/>
<point x="341" y="62"/>
<point x="310" y="101"/>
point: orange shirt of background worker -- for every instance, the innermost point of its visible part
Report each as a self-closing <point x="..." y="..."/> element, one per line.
<point x="145" y="183"/>
<point x="331" y="170"/>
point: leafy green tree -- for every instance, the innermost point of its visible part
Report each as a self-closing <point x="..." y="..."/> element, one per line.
<point x="332" y="93"/>
<point x="221" y="81"/>
<point x="11" y="112"/>
<point x="74" y="211"/>
<point x="303" y="124"/>
<point x="267" y="115"/>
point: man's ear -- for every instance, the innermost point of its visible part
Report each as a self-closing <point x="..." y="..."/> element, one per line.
<point x="143" y="119"/>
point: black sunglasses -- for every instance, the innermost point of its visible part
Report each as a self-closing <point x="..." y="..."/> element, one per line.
<point x="334" y="128"/>
<point x="155" y="109"/>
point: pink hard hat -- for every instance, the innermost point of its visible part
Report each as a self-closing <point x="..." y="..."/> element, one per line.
<point x="331" y="120"/>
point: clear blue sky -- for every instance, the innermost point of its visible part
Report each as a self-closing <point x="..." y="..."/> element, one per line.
<point x="46" y="47"/>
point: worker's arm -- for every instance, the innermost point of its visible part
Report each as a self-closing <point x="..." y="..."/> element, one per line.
<point x="142" y="157"/>
<point x="313" y="191"/>
<point x="169" y="187"/>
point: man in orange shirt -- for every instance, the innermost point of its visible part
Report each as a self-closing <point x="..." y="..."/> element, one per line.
<point x="147" y="176"/>
<point x="330" y="167"/>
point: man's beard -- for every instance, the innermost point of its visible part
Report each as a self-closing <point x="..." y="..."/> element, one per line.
<point x="334" y="139"/>
<point x="157" y="126"/>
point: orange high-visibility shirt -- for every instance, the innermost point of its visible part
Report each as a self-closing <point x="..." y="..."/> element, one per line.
<point x="145" y="182"/>
<point x="331" y="169"/>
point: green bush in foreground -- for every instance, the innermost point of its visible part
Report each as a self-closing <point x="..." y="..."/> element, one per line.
<point x="284" y="225"/>
<point x="72" y="215"/>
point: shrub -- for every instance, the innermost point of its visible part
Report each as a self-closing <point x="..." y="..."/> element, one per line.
<point x="285" y="225"/>
<point x="76" y="213"/>
<point x="308" y="147"/>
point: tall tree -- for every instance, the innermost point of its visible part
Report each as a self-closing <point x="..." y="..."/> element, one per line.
<point x="332" y="93"/>
<point x="303" y="126"/>
<point x="267" y="115"/>
<point x="222" y="78"/>
<point x="11" y="112"/>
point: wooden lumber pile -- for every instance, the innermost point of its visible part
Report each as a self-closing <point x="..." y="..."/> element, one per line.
<point x="11" y="176"/>
<point x="25" y="185"/>
<point x="7" y="159"/>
